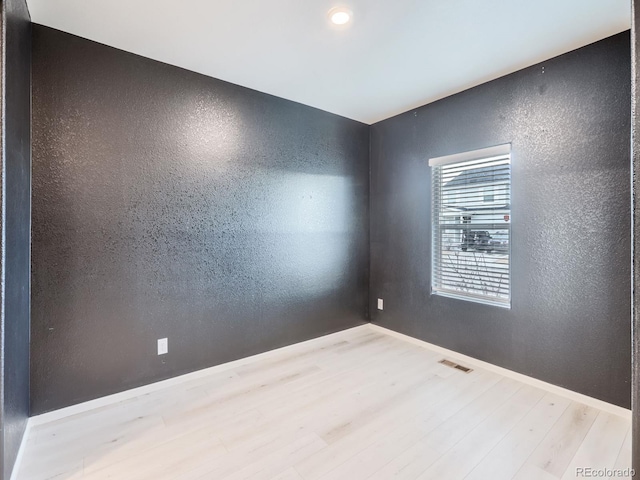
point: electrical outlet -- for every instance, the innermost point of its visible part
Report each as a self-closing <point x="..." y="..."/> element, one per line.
<point x="380" y="304"/>
<point x="163" y="346"/>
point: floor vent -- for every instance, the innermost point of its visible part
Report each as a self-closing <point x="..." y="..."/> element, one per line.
<point x="451" y="364"/>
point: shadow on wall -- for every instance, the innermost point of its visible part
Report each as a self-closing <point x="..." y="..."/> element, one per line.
<point x="172" y="205"/>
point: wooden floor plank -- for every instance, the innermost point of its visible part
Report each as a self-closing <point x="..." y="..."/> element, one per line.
<point x="408" y="465"/>
<point x="601" y="447"/>
<point x="462" y="457"/>
<point x="562" y="442"/>
<point x="504" y="461"/>
<point x="624" y="459"/>
<point x="288" y="474"/>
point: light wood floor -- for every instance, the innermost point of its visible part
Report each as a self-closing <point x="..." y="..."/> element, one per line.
<point x="356" y="405"/>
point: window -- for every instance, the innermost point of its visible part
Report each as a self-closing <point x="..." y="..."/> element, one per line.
<point x="471" y="225"/>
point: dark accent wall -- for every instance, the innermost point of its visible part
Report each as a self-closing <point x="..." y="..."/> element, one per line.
<point x="635" y="219"/>
<point x="170" y="204"/>
<point x="15" y="29"/>
<point x="568" y="120"/>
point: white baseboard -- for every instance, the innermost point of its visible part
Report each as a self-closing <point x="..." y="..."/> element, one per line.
<point x="154" y="387"/>
<point x="18" y="462"/>
<point x="461" y="358"/>
<point x="466" y="360"/>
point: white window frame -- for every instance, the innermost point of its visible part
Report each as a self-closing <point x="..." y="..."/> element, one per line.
<point x="441" y="283"/>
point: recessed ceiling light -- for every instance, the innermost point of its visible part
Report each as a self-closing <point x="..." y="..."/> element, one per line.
<point x="340" y="16"/>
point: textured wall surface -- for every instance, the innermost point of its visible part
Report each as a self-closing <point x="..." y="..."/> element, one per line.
<point x="16" y="169"/>
<point x="635" y="173"/>
<point x="568" y="120"/>
<point x="169" y="204"/>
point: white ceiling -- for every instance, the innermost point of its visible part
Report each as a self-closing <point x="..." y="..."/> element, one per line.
<point x="396" y="55"/>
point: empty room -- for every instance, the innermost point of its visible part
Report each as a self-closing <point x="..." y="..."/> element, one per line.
<point x="319" y="240"/>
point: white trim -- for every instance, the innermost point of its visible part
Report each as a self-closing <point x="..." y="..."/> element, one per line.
<point x="471" y="155"/>
<point x="154" y="387"/>
<point x="23" y="443"/>
<point x="466" y="360"/>
<point x="471" y="297"/>
<point x="463" y="359"/>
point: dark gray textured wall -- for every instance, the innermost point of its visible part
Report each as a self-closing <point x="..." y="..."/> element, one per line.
<point x="169" y="204"/>
<point x="635" y="217"/>
<point x="568" y="120"/>
<point x="16" y="172"/>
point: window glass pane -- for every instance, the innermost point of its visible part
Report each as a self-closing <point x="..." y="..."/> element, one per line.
<point x="472" y="229"/>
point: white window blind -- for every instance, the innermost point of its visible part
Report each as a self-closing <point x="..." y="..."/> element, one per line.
<point x="471" y="228"/>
